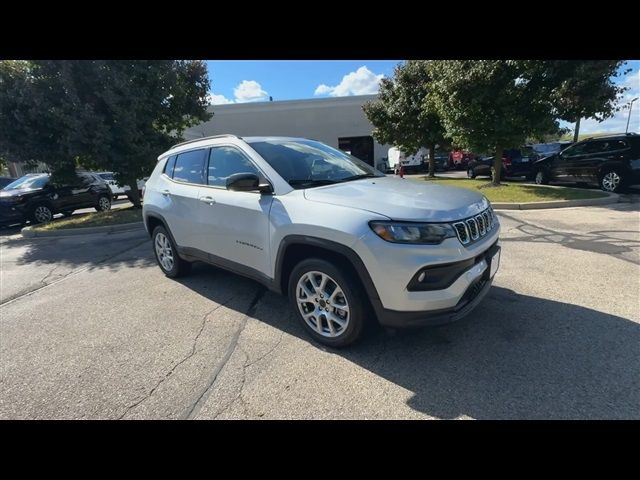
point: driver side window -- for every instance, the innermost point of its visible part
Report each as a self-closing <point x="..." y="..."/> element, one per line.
<point x="227" y="161"/>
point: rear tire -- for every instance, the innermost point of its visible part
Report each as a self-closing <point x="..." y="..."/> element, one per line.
<point x="331" y="312"/>
<point x="613" y="181"/>
<point x="166" y="254"/>
<point x="541" y="177"/>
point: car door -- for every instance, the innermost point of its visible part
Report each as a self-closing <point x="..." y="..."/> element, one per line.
<point x="233" y="226"/>
<point x="585" y="168"/>
<point x="179" y="188"/>
<point x="565" y="167"/>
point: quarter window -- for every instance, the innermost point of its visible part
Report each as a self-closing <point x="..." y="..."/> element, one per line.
<point x="189" y="167"/>
<point x="168" y="167"/>
<point x="227" y="161"/>
<point x="614" y="145"/>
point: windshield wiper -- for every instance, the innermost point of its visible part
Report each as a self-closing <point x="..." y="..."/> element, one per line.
<point x="309" y="181"/>
<point x="358" y="177"/>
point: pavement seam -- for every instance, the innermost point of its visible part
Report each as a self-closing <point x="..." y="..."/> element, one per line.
<point x="191" y="354"/>
<point x="195" y="408"/>
<point x="68" y="275"/>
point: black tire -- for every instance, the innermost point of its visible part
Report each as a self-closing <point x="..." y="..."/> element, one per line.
<point x="471" y="173"/>
<point x="67" y="213"/>
<point x="612" y="180"/>
<point x="179" y="266"/>
<point x="541" y="177"/>
<point x="40" y="212"/>
<point x="103" y="204"/>
<point x="353" y="295"/>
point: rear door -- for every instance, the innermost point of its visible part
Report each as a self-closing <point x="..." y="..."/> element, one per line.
<point x="179" y="188"/>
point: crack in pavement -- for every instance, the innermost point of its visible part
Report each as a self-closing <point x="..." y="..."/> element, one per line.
<point x="194" y="409"/>
<point x="23" y="294"/>
<point x="187" y="357"/>
<point x="246" y="365"/>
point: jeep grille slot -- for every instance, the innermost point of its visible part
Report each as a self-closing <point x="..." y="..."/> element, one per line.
<point x="472" y="229"/>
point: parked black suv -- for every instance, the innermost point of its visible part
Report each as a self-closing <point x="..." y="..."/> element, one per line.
<point x="612" y="161"/>
<point x="36" y="198"/>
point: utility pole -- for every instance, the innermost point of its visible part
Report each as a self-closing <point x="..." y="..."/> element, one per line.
<point x="629" y="117"/>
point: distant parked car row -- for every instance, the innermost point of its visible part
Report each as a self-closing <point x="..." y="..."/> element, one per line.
<point x="613" y="162"/>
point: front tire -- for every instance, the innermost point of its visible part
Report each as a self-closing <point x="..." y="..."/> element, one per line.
<point x="41" y="214"/>
<point x="328" y="302"/>
<point x="166" y="254"/>
<point x="104" y="204"/>
<point x="612" y="181"/>
<point x="471" y="173"/>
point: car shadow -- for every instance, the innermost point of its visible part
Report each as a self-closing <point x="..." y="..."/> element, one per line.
<point x="515" y="357"/>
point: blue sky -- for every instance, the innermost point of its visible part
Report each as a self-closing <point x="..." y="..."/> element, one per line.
<point x="256" y="80"/>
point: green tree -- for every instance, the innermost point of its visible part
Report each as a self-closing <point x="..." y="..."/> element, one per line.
<point x="490" y="105"/>
<point x="401" y="115"/>
<point x="584" y="89"/>
<point x="110" y="115"/>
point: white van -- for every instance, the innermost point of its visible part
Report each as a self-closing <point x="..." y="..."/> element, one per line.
<point x="411" y="163"/>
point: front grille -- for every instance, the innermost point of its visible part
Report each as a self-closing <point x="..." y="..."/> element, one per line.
<point x="476" y="227"/>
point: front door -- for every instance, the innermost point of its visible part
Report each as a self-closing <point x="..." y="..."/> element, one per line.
<point x="234" y="226"/>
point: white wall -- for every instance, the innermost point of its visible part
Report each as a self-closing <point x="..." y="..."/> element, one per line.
<point x="325" y="120"/>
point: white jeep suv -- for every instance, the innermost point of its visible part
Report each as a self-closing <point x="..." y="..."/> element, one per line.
<point x="342" y="240"/>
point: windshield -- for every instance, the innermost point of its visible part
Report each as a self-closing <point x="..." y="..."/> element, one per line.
<point x="28" y="183"/>
<point x="307" y="163"/>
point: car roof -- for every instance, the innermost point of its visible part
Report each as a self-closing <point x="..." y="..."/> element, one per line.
<point x="224" y="138"/>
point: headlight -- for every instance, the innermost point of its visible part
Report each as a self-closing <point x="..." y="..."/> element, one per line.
<point x="409" y="232"/>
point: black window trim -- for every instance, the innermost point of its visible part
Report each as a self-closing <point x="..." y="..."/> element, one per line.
<point x="244" y="154"/>
<point x="204" y="166"/>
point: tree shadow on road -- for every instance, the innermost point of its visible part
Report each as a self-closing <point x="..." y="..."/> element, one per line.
<point x="92" y="251"/>
<point x="514" y="357"/>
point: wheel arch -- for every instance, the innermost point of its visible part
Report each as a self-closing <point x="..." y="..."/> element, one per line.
<point x="294" y="248"/>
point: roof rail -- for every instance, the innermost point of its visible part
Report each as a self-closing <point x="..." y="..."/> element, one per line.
<point x="204" y="138"/>
<point x="605" y="135"/>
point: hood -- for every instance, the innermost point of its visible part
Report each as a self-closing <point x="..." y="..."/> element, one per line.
<point x="16" y="192"/>
<point x="402" y="199"/>
<point x="545" y="159"/>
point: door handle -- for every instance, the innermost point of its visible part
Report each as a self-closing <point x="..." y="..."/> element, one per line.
<point x="208" y="200"/>
<point x="166" y="192"/>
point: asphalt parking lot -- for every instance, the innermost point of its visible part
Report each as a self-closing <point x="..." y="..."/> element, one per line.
<point x="90" y="328"/>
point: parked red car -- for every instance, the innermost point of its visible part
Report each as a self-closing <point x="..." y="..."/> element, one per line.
<point x="459" y="159"/>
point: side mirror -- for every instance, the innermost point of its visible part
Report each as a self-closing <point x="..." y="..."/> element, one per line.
<point x="247" y="182"/>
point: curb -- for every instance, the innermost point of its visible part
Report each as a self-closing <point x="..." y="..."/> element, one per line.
<point x="30" y="232"/>
<point x="582" y="202"/>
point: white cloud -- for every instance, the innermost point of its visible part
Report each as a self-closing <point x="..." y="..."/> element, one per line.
<point x="249" y="91"/>
<point x="215" y="99"/>
<point x="361" y="82"/>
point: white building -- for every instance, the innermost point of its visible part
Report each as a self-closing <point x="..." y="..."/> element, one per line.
<point x="339" y="122"/>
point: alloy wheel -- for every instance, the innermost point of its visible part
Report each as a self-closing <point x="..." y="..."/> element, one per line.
<point x="322" y="304"/>
<point x="42" y="214"/>
<point x="164" y="252"/>
<point x="104" y="204"/>
<point x="539" y="177"/>
<point x="611" y="181"/>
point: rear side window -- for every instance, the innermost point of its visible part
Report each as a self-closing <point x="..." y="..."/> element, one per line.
<point x="613" y="145"/>
<point x="189" y="167"/>
<point x="226" y="161"/>
<point x="168" y="167"/>
<point x="106" y="176"/>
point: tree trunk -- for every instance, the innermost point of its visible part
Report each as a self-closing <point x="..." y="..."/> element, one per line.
<point x="133" y="195"/>
<point x="576" y="132"/>
<point x="497" y="165"/>
<point x="432" y="161"/>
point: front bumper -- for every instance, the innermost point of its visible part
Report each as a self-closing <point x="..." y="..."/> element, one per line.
<point x="11" y="214"/>
<point x="469" y="300"/>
